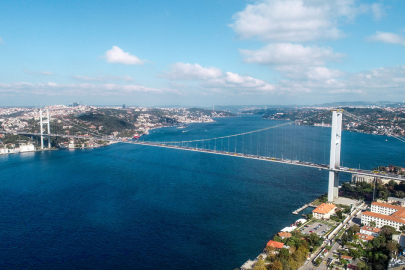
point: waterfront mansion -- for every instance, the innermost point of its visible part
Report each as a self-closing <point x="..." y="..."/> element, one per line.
<point x="384" y="214"/>
<point x="324" y="211"/>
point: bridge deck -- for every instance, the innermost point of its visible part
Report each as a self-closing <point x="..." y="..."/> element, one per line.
<point x="279" y="160"/>
<point x="233" y="154"/>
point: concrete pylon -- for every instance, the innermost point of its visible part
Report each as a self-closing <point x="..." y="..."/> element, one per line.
<point x="335" y="147"/>
<point x="42" y="122"/>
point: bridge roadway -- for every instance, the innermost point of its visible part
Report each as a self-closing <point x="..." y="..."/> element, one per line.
<point x="278" y="160"/>
<point x="233" y="154"/>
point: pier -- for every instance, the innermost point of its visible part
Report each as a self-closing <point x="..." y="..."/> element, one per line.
<point x="302" y="208"/>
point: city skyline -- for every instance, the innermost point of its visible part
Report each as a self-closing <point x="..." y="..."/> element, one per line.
<point x="201" y="54"/>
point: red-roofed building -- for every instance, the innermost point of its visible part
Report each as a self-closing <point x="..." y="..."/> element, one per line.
<point x="275" y="244"/>
<point x="370" y="231"/>
<point x="365" y="237"/>
<point x="384" y="214"/>
<point x="284" y="235"/>
<point x="324" y="211"/>
<point x="382" y="220"/>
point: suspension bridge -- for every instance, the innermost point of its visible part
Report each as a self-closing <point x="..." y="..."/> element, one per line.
<point x="240" y="145"/>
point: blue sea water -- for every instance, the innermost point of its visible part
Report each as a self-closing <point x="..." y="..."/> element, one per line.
<point x="139" y="207"/>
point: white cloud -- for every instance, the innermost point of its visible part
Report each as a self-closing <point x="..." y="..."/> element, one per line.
<point x="293" y="20"/>
<point x="289" y="54"/>
<point x="102" y="78"/>
<point x="298" y="72"/>
<point x="237" y="82"/>
<point x="214" y="80"/>
<point x="186" y="71"/>
<point x="298" y="20"/>
<point x="377" y="11"/>
<point x="387" y="37"/>
<point x="1" y="41"/>
<point x="117" y="55"/>
<point x="387" y="82"/>
<point x="83" y="89"/>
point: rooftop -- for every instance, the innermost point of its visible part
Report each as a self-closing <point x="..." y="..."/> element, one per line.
<point x="365" y="237"/>
<point x="284" y="234"/>
<point x="387" y="205"/>
<point x="275" y="244"/>
<point x="371" y="229"/>
<point x="324" y="208"/>
<point x="376" y="215"/>
<point x="396" y="199"/>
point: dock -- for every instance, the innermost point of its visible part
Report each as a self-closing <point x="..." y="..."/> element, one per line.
<point x="302" y="208"/>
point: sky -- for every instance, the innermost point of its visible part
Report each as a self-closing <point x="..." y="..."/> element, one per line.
<point x="201" y="53"/>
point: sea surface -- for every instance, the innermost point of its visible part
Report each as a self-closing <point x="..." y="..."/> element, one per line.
<point x="140" y="207"/>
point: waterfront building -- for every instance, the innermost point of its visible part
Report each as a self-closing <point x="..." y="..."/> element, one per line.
<point x="275" y="244"/>
<point x="324" y="211"/>
<point x="284" y="235"/>
<point x="357" y="178"/>
<point x="27" y="148"/>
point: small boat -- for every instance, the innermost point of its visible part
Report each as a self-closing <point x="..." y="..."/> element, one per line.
<point x="136" y="136"/>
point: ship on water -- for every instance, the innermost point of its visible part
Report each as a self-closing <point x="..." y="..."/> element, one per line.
<point x="136" y="136"/>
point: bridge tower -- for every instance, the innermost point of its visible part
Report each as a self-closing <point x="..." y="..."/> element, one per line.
<point x="335" y="145"/>
<point x="47" y="122"/>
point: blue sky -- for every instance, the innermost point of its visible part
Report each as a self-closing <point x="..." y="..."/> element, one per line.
<point x="204" y="53"/>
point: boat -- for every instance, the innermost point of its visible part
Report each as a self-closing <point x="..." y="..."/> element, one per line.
<point x="182" y="126"/>
<point x="136" y="136"/>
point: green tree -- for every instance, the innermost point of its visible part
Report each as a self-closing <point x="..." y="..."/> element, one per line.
<point x="313" y="239"/>
<point x="383" y="195"/>
<point x="343" y="261"/>
<point x="355" y="253"/>
<point x="259" y="265"/>
<point x="392" y="246"/>
<point x="372" y="223"/>
<point x="392" y="183"/>
<point x="284" y="253"/>
<point x="339" y="214"/>
<point x="277" y="265"/>
<point x="400" y="194"/>
<point x="318" y="261"/>
<point x="355" y="228"/>
<point x="277" y="238"/>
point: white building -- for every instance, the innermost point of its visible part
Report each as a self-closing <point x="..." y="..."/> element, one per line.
<point x="324" y="211"/>
<point x="27" y="148"/>
<point x="384" y="214"/>
<point x="370" y="231"/>
<point x="385" y="208"/>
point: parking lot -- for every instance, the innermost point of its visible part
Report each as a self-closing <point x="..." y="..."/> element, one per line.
<point x="316" y="227"/>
